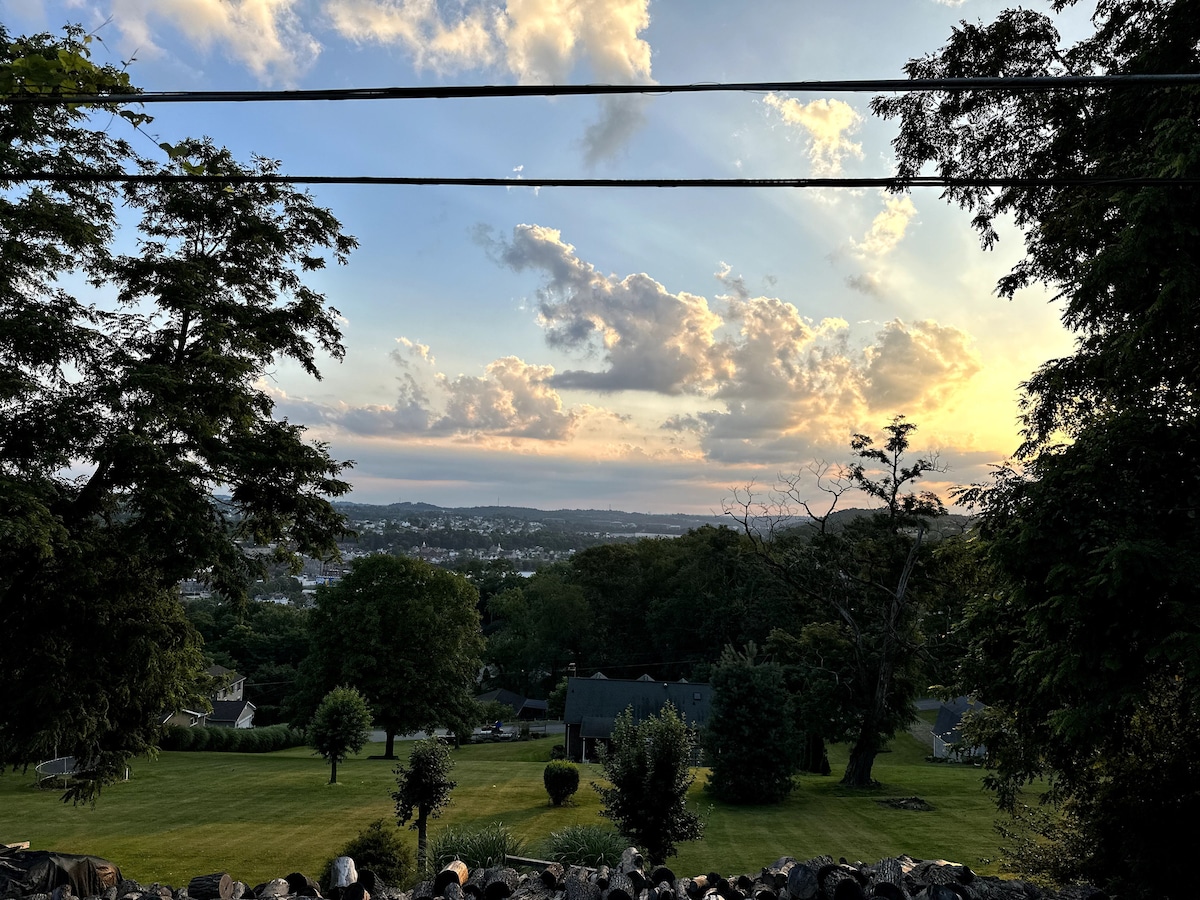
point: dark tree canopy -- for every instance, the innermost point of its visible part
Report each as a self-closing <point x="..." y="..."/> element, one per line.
<point x="121" y="418"/>
<point x="753" y="739"/>
<point x="407" y="635"/>
<point x="1087" y="651"/>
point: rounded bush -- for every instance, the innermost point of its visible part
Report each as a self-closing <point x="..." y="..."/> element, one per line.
<point x="377" y="847"/>
<point x="561" y="779"/>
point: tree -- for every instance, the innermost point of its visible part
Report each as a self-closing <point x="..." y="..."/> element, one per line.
<point x="1092" y="531"/>
<point x="854" y="660"/>
<point x="423" y="789"/>
<point x="340" y="727"/>
<point x="648" y="768"/>
<point x="404" y="633"/>
<point x="751" y="761"/>
<point x="121" y="418"/>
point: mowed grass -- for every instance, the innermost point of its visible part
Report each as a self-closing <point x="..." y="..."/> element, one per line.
<point x="261" y="816"/>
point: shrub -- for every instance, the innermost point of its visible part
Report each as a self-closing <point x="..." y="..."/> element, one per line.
<point x="377" y="847"/>
<point x="585" y="845"/>
<point x="561" y="779"/>
<point x="233" y="740"/>
<point x="558" y="751"/>
<point x="478" y="848"/>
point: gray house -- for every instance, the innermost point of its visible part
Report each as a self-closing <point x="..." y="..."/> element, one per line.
<point x="947" y="734"/>
<point x="593" y="704"/>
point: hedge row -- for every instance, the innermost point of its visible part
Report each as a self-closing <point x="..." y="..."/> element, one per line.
<point x="232" y="740"/>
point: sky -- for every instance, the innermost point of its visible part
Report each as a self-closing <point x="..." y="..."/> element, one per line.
<point x="649" y="350"/>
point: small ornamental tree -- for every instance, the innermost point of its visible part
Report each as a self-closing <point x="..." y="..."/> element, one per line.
<point x="340" y="727"/>
<point x="423" y="788"/>
<point x="751" y="764"/>
<point x="648" y="768"/>
<point x="561" y="779"/>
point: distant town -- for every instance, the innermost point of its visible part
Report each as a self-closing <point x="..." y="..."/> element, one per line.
<point x="471" y="536"/>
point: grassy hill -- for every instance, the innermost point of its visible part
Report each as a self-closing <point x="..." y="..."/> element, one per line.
<point x="263" y="816"/>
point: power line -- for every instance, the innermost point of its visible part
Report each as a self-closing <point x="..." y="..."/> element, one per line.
<point x="892" y="183"/>
<point x="446" y="92"/>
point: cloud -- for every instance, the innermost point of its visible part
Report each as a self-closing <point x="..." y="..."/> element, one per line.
<point x="512" y="399"/>
<point x="754" y="376"/>
<point x="827" y="126"/>
<point x="536" y="41"/>
<point x="649" y="338"/>
<point x="887" y="228"/>
<point x="916" y="366"/>
<point x="266" y="36"/>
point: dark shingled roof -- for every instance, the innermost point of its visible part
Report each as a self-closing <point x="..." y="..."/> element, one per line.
<point x="949" y="718"/>
<point x="591" y="698"/>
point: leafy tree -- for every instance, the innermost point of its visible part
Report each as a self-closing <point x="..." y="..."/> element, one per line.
<point x="1093" y="532"/>
<point x="750" y="763"/>
<point x="648" y="768"/>
<point x="340" y="727"/>
<point x="854" y="656"/>
<point x="423" y="788"/>
<point x="407" y="635"/>
<point x="153" y="398"/>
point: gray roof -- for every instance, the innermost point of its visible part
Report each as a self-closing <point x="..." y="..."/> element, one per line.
<point x="591" y="698"/>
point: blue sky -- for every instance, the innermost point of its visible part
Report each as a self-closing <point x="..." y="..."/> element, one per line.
<point x="640" y="349"/>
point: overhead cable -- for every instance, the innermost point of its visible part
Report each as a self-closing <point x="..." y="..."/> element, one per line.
<point x="892" y="183"/>
<point x="445" y="92"/>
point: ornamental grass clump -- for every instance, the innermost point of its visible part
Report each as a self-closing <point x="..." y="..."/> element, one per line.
<point x="585" y="845"/>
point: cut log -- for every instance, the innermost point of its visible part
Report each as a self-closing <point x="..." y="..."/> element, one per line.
<point x="696" y="886"/>
<point x="765" y="893"/>
<point x="454" y="871"/>
<point x="474" y="883"/>
<point x="620" y="887"/>
<point x="217" y="886"/>
<point x="727" y="890"/>
<point x="659" y="874"/>
<point x="452" y="891"/>
<point x="499" y="882"/>
<point x="577" y="887"/>
<point x="631" y="860"/>
<point x="802" y="883"/>
<point x="423" y="891"/>
<point x="552" y="876"/>
<point x="603" y="873"/>
<point x="775" y="875"/>
<point x="356" y="891"/>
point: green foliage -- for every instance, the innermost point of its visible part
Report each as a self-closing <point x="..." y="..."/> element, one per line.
<point x="852" y="658"/>
<point x="492" y="711"/>
<point x="585" y="845"/>
<point x="477" y="847"/>
<point x="340" y="727"/>
<point x="266" y="739"/>
<point x="423" y="789"/>
<point x="561" y="779"/>
<point x="751" y="763"/>
<point x="1093" y="539"/>
<point x="377" y="847"/>
<point x="156" y="396"/>
<point x="556" y="703"/>
<point x="407" y="635"/>
<point x="648" y="768"/>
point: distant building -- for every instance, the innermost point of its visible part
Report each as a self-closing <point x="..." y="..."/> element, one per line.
<point x="947" y="730"/>
<point x="593" y="705"/>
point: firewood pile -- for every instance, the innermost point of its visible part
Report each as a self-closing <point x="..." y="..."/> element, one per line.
<point x="819" y="878"/>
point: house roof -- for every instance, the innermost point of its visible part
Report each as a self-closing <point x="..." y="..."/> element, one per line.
<point x="513" y="699"/>
<point x="949" y="718"/>
<point x="229" y="710"/>
<point x="592" y="698"/>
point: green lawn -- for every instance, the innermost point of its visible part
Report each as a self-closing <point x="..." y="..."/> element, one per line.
<point x="260" y="816"/>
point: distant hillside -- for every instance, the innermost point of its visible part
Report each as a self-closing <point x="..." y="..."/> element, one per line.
<point x="573" y="520"/>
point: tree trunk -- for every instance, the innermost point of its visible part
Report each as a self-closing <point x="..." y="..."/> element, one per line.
<point x="333" y="770"/>
<point x="422" y="822"/>
<point x="862" y="759"/>
<point x="389" y="747"/>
